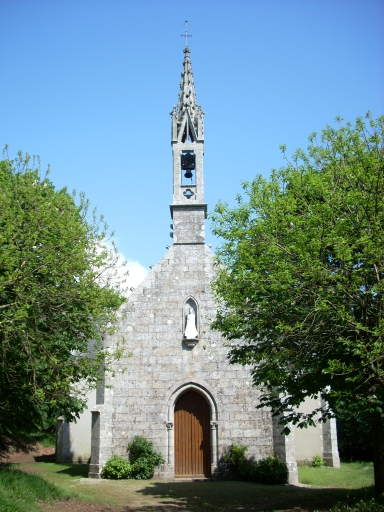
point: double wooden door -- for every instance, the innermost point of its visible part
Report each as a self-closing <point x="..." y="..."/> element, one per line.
<point x="192" y="436"/>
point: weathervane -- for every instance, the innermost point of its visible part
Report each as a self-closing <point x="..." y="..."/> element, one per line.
<point x="186" y="35"/>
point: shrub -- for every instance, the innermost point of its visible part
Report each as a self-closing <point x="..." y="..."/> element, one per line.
<point x="139" y="447"/>
<point x="317" y="461"/>
<point x="266" y="471"/>
<point x="143" y="469"/>
<point x="360" y="506"/>
<point x="143" y="458"/>
<point x="116" y="468"/>
<point x="236" y="462"/>
<point x="271" y="471"/>
<point x="252" y="470"/>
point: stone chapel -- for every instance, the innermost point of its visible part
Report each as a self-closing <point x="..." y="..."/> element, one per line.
<point x="175" y="387"/>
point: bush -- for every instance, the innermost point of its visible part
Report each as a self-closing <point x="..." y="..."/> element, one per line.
<point x="236" y="462"/>
<point x="143" y="458"/>
<point x="143" y="469"/>
<point x="271" y="471"/>
<point x="317" y="461"/>
<point x="266" y="471"/>
<point x="252" y="470"/>
<point x="116" y="468"/>
<point x="360" y="506"/>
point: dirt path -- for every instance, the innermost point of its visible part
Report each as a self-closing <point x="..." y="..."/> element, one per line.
<point x="77" y="506"/>
<point x="21" y="453"/>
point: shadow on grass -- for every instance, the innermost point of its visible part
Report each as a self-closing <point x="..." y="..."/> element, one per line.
<point x="75" y="470"/>
<point x="225" y="496"/>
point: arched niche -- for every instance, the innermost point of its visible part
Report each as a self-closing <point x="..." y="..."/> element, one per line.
<point x="190" y="322"/>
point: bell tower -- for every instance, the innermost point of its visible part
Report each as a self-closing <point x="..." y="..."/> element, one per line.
<point x="188" y="209"/>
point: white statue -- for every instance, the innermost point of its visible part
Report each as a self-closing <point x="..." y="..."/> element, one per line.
<point x="190" y="329"/>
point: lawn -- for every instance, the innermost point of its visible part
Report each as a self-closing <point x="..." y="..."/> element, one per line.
<point x="222" y="496"/>
<point x="21" y="492"/>
<point x="351" y="475"/>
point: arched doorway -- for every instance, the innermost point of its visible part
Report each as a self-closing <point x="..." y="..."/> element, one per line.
<point x="192" y="436"/>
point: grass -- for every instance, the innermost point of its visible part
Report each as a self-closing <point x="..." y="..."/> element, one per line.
<point x="38" y="482"/>
<point x="46" y="439"/>
<point x="351" y="475"/>
<point x="207" y="496"/>
<point x="21" y="492"/>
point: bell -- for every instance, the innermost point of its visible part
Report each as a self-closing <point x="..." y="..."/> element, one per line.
<point x="188" y="175"/>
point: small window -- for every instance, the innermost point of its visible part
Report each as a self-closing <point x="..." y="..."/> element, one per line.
<point x="188" y="193"/>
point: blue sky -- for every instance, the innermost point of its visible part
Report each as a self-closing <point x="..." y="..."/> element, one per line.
<point x="88" y="85"/>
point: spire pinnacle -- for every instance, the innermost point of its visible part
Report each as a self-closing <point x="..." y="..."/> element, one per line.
<point x="187" y="116"/>
<point x="187" y="95"/>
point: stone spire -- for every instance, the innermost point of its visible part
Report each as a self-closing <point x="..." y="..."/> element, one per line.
<point x="188" y="209"/>
<point x="187" y="117"/>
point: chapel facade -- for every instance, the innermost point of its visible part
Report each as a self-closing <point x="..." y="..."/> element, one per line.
<point x="175" y="386"/>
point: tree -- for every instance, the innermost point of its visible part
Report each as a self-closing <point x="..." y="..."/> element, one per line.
<point x="354" y="437"/>
<point x="300" y="279"/>
<point x="58" y="294"/>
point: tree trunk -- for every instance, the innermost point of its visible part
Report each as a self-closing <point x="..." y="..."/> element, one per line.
<point x="378" y="451"/>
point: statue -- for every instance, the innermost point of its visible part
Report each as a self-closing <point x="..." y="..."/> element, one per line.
<point x="190" y="332"/>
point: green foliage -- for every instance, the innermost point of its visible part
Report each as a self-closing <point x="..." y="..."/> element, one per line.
<point x="140" y="447"/>
<point x="361" y="506"/>
<point x="46" y="439"/>
<point x="271" y="471"/>
<point x="236" y="462"/>
<point x="144" y="458"/>
<point x="143" y="468"/>
<point x="116" y="468"/>
<point x="300" y="279"/>
<point x="58" y="291"/>
<point x="354" y="436"/>
<point x="21" y="492"/>
<point x="266" y="471"/>
<point x="300" y="275"/>
<point x="317" y="462"/>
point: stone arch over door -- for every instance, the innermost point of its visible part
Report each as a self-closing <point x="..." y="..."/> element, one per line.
<point x="206" y="393"/>
<point x="192" y="427"/>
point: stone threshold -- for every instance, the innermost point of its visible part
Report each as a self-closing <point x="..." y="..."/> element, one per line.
<point x="192" y="478"/>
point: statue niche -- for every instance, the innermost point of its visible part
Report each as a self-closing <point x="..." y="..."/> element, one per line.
<point x="190" y="325"/>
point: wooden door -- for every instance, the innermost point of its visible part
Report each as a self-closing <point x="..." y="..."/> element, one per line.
<point x="192" y="436"/>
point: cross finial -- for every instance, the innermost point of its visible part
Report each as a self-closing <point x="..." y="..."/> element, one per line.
<point x="186" y="35"/>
